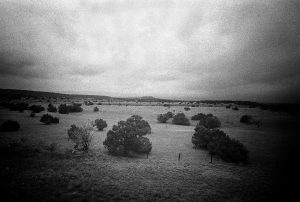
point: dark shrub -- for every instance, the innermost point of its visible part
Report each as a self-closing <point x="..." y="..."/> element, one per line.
<point x="10" y="125"/>
<point x="162" y="118"/>
<point x="170" y="114"/>
<point x="21" y="106"/>
<point x="74" y="108"/>
<point x="235" y="108"/>
<point x="81" y="136"/>
<point x="187" y="108"/>
<point x="100" y="124"/>
<point x="63" y="109"/>
<point x="207" y="120"/>
<point x="212" y="122"/>
<point x="99" y="103"/>
<point x="36" y="108"/>
<point x="220" y="144"/>
<point x="198" y="116"/>
<point x="48" y="119"/>
<point x="180" y="119"/>
<point x="247" y="119"/>
<point x="96" y="109"/>
<point x="32" y="114"/>
<point x="127" y="137"/>
<point x="228" y="106"/>
<point x="51" y="108"/>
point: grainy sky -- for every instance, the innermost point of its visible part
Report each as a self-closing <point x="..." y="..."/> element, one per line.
<point x="238" y="50"/>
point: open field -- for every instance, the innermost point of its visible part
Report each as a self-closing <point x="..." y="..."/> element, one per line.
<point x="98" y="176"/>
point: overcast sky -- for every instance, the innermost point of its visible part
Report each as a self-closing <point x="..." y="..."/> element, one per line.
<point x="237" y="50"/>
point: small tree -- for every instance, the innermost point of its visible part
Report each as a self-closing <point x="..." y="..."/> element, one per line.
<point x="63" y="109"/>
<point x="51" y="108"/>
<point x="81" y="136"/>
<point x="180" y="119"/>
<point x="48" y="119"/>
<point x="162" y="118"/>
<point x="100" y="124"/>
<point x="36" y="108"/>
<point x="96" y="109"/>
<point x="170" y="114"/>
<point x="10" y="125"/>
<point x="129" y="136"/>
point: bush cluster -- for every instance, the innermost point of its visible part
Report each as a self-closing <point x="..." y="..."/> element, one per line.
<point x="219" y="143"/>
<point x="48" y="119"/>
<point x="36" y="108"/>
<point x="180" y="119"/>
<point x="235" y="108"/>
<point x="10" y="125"/>
<point x="81" y="136"/>
<point x="51" y="108"/>
<point x="128" y="136"/>
<point x="96" y="109"/>
<point x="163" y="118"/>
<point x="100" y="124"/>
<point x="65" y="109"/>
<point x="207" y="120"/>
<point x="20" y="106"/>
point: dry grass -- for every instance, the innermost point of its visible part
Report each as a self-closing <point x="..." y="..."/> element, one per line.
<point x="97" y="176"/>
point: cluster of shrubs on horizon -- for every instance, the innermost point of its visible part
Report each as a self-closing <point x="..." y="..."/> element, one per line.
<point x="207" y="120"/>
<point x="87" y="103"/>
<point x="178" y="119"/>
<point x="220" y="144"/>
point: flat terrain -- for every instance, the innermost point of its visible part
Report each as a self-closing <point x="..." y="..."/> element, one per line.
<point x="98" y="176"/>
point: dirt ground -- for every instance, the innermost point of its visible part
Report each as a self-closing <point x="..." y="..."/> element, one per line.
<point x="36" y="174"/>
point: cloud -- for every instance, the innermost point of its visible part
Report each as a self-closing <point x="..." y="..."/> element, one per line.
<point x="182" y="49"/>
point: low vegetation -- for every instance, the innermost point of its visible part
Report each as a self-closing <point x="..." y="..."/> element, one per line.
<point x="180" y="119"/>
<point x="48" y="119"/>
<point x="65" y="109"/>
<point x="207" y="120"/>
<point x="36" y="108"/>
<point x="220" y="144"/>
<point x="247" y="119"/>
<point x="128" y="136"/>
<point x="100" y="124"/>
<point x="81" y="136"/>
<point x="51" y="108"/>
<point x="10" y="125"/>
<point x="96" y="109"/>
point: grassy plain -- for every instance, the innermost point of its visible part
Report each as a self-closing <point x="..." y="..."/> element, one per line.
<point x="98" y="176"/>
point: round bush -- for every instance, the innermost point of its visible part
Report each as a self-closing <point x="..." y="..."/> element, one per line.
<point x="170" y="114"/>
<point x="100" y="124"/>
<point x="10" y="125"/>
<point x="51" y="108"/>
<point x="32" y="114"/>
<point x="96" y="109"/>
<point x="235" y="108"/>
<point x="247" y="119"/>
<point x="180" y="119"/>
<point x="212" y="122"/>
<point x="127" y="137"/>
<point x="63" y="109"/>
<point x="162" y="118"/>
